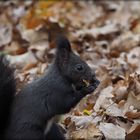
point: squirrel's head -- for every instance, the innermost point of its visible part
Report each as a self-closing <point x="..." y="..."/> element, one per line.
<point x="72" y="67"/>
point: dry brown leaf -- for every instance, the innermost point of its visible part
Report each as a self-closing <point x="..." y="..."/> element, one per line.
<point x="67" y="121"/>
<point x="120" y="92"/>
<point x="124" y="123"/>
<point x="125" y="42"/>
<point x="29" y="66"/>
<point x="95" y="32"/>
<point x="112" y="131"/>
<point x="104" y="99"/>
<point x="114" y="110"/>
<point x="15" y="49"/>
<point x="91" y="132"/>
<point x="135" y="134"/>
<point x="21" y="60"/>
<point x="81" y="120"/>
<point x="133" y="58"/>
<point x="5" y="30"/>
<point x="121" y="103"/>
<point x="132" y="115"/>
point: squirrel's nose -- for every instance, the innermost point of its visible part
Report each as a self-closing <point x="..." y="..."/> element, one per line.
<point x="95" y="80"/>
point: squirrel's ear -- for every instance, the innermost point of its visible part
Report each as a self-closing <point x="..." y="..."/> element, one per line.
<point x="63" y="49"/>
<point x="63" y="44"/>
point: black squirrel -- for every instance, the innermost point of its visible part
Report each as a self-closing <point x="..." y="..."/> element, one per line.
<point x="7" y="92"/>
<point x="66" y="82"/>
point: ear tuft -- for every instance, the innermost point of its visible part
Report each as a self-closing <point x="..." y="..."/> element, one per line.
<point x="63" y="51"/>
<point x="63" y="43"/>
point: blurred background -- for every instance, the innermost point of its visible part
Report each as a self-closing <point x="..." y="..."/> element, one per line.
<point x="106" y="34"/>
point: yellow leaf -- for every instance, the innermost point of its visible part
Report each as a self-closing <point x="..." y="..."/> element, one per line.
<point x="86" y="112"/>
<point x="45" y="4"/>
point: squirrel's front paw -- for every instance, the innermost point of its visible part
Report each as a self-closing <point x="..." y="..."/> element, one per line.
<point x="88" y="90"/>
<point x="86" y="87"/>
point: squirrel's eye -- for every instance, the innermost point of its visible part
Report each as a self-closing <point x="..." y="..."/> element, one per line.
<point x="79" y="67"/>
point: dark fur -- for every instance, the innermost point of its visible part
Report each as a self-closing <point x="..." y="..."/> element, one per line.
<point x="59" y="90"/>
<point x="55" y="133"/>
<point x="7" y="92"/>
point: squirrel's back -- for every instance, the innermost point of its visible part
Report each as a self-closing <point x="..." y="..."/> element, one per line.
<point x="7" y="92"/>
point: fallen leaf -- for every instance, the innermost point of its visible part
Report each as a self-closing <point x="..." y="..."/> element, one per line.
<point x="90" y="132"/>
<point x="112" y="131"/>
<point x="135" y="134"/>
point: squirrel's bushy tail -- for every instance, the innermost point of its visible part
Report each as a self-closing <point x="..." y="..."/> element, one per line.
<point x="7" y="92"/>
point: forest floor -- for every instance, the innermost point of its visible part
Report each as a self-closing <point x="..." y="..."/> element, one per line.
<point x="105" y="34"/>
